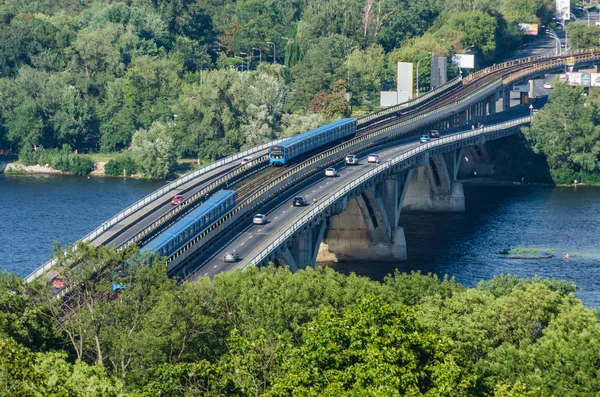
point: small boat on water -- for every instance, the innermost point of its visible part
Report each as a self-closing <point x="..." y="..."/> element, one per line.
<point x="566" y="256"/>
<point x="541" y="255"/>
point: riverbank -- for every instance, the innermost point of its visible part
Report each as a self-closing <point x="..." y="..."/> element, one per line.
<point x="497" y="183"/>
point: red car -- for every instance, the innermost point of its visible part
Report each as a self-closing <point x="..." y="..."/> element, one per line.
<point x="58" y="281"/>
<point x="177" y="199"/>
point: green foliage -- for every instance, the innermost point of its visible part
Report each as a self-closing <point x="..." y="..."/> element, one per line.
<point x="270" y="332"/>
<point x="582" y="36"/>
<point x="23" y="373"/>
<point x="122" y="164"/>
<point x="566" y="131"/>
<point x="371" y="349"/>
<point x="153" y="150"/>
<point x="64" y="160"/>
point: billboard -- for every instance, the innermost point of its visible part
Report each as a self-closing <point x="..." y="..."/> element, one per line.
<point x="388" y="98"/>
<point x="529" y="29"/>
<point x="595" y="80"/>
<point x="439" y="71"/>
<point x="563" y="9"/>
<point x="521" y="88"/>
<point x="582" y="79"/>
<point x="405" y="79"/>
<point x="573" y="78"/>
<point x="464" y="61"/>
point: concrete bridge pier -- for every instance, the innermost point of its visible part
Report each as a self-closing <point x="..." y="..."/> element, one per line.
<point x="433" y="187"/>
<point x="301" y="252"/>
<point x="368" y="228"/>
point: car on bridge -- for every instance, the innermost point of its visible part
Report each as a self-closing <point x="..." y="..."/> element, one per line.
<point x="351" y="159"/>
<point x="424" y="138"/>
<point x="547" y="86"/>
<point x="373" y="158"/>
<point x="434" y="134"/>
<point x="299" y="201"/>
<point x="330" y="172"/>
<point x="259" y="219"/>
<point x="177" y="199"/>
<point x="231" y="256"/>
<point x="246" y="160"/>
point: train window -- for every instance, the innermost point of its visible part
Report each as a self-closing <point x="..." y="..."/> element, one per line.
<point x="206" y="219"/>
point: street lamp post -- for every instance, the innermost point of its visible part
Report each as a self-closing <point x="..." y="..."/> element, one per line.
<point x="551" y="33"/>
<point x="259" y="54"/>
<point x="270" y="42"/>
<point x="586" y="12"/>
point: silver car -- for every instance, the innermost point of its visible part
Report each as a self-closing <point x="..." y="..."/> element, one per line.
<point x="259" y="219"/>
<point x="231" y="257"/>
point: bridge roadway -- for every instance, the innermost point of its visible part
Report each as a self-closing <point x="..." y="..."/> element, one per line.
<point x="245" y="243"/>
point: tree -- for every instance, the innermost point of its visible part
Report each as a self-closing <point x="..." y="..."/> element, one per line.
<point x="371" y="349"/>
<point x="154" y="150"/>
<point x="582" y="36"/>
<point x="565" y="131"/>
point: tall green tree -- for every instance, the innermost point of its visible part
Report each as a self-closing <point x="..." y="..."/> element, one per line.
<point x="154" y="150"/>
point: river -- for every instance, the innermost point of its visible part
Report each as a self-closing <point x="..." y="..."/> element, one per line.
<point x="37" y="210"/>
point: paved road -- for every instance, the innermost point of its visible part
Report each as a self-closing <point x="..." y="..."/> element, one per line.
<point x="246" y="241"/>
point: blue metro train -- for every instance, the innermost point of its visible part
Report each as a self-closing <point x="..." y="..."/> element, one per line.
<point x="183" y="231"/>
<point x="307" y="141"/>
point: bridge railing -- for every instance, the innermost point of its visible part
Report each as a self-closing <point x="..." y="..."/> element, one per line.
<point x="285" y="233"/>
<point x="155" y="196"/>
<point x="412" y="102"/>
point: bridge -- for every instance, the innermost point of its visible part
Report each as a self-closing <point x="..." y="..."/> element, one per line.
<point x="357" y="214"/>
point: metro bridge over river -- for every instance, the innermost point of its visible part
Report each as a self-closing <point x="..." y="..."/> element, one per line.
<point x="358" y="214"/>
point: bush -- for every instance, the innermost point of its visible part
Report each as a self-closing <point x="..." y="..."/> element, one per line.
<point x="564" y="176"/>
<point x="63" y="160"/>
<point x="122" y="162"/>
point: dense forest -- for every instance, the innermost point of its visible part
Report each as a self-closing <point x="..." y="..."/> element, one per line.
<point x="268" y="332"/>
<point x="204" y="78"/>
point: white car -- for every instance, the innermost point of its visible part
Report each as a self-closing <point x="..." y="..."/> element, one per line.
<point x="351" y="159"/>
<point x="331" y="172"/>
<point x="246" y="160"/>
<point x="259" y="219"/>
<point x="547" y="86"/>
<point x="373" y="158"/>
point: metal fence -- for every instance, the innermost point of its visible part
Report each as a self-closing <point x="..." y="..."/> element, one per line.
<point x="155" y="196"/>
<point x="288" y="231"/>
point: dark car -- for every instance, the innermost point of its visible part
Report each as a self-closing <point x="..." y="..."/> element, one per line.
<point x="299" y="201"/>
<point x="177" y="199"/>
<point x="434" y="134"/>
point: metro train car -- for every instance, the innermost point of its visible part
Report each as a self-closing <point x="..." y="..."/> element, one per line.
<point x="305" y="142"/>
<point x="184" y="230"/>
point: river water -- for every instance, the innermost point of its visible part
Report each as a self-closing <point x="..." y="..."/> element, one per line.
<point x="37" y="210"/>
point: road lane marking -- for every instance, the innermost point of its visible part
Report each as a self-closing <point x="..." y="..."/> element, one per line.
<point x="242" y="243"/>
<point x="283" y="212"/>
<point x="259" y="230"/>
<point x="276" y="217"/>
<point x="215" y="266"/>
<point x="250" y="237"/>
<point x="205" y="274"/>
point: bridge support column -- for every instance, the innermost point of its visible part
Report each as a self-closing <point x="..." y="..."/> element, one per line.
<point x="302" y="251"/>
<point x="433" y="188"/>
<point x="368" y="229"/>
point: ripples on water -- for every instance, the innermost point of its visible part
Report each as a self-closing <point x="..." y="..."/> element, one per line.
<point x="467" y="245"/>
<point x="37" y="210"/>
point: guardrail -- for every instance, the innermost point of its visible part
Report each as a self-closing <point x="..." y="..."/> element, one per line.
<point x="265" y="249"/>
<point x="412" y="102"/>
<point x="153" y="197"/>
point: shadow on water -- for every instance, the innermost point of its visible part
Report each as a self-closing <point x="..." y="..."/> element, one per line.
<point x="468" y="245"/>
